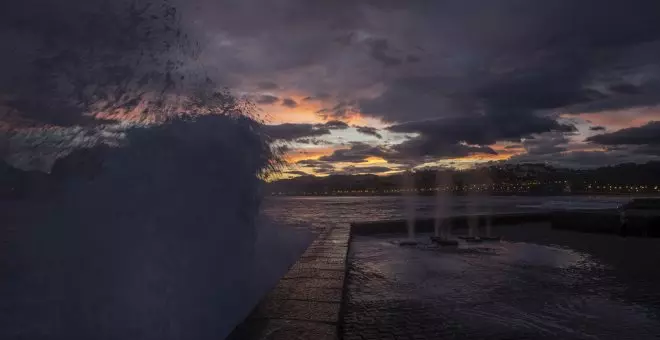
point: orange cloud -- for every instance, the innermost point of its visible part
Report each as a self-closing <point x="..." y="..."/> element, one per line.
<point x="502" y="150"/>
<point x="375" y="160"/>
<point x="620" y="119"/>
<point x="297" y="155"/>
<point x="305" y="111"/>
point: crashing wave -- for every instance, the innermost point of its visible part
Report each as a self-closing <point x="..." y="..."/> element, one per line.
<point x="160" y="244"/>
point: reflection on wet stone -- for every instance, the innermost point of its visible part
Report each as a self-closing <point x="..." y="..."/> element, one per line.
<point x="306" y="302"/>
<point x="503" y="290"/>
<point x="285" y="330"/>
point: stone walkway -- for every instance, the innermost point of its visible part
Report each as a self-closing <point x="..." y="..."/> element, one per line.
<point x="306" y="302"/>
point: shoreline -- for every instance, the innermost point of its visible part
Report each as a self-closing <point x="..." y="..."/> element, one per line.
<point x="517" y="194"/>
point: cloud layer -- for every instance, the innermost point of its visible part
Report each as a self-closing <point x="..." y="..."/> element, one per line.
<point x="430" y="80"/>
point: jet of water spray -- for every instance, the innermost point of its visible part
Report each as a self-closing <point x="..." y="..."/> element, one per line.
<point x="442" y="182"/>
<point x="488" y="206"/>
<point x="472" y="203"/>
<point x="409" y="202"/>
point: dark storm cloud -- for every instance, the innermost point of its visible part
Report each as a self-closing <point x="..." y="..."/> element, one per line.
<point x="290" y="103"/>
<point x="368" y="130"/>
<point x="267" y="85"/>
<point x="326" y="167"/>
<point x="643" y="95"/>
<point x="357" y="153"/>
<point x="522" y="92"/>
<point x="317" y="166"/>
<point x="291" y="131"/>
<point x="425" y="148"/>
<point x="380" y="51"/>
<point x="64" y="62"/>
<point x="545" y="149"/>
<point x="313" y="141"/>
<point x="310" y="162"/>
<point x="546" y="143"/>
<point x="493" y="55"/>
<point x="342" y="109"/>
<point x="585" y="159"/>
<point x="515" y="63"/>
<point x="412" y="58"/>
<point x="267" y="99"/>
<point x="506" y="74"/>
<point x="624" y="89"/>
<point x="463" y="136"/>
<point x="319" y="96"/>
<point x="648" y="134"/>
<point x="354" y="170"/>
<point x="459" y="74"/>
<point x="597" y="128"/>
<point x="336" y="125"/>
<point x="444" y="133"/>
<point x="297" y="172"/>
<point x="413" y="151"/>
<point x="653" y="150"/>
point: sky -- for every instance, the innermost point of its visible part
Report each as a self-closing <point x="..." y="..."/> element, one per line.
<point x="377" y="86"/>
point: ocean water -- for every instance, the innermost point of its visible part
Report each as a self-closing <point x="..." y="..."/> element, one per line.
<point x="318" y="211"/>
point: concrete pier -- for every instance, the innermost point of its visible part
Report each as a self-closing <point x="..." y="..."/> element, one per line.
<point x="306" y="302"/>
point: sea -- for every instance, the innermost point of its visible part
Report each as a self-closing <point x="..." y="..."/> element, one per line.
<point x="318" y="211"/>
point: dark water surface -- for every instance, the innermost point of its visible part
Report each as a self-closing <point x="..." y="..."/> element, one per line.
<point x="504" y="290"/>
<point x="323" y="210"/>
<point x="537" y="283"/>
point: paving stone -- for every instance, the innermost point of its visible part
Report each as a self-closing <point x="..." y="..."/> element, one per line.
<point x="306" y="293"/>
<point x="334" y="236"/>
<point x="312" y="283"/>
<point x="332" y="255"/>
<point x="306" y="302"/>
<point x="323" y="260"/>
<point x="326" y="250"/>
<point x="265" y="329"/>
<point x="336" y="244"/>
<point x="329" y="247"/>
<point x="298" y="310"/>
<point x="337" y="236"/>
<point x="314" y="273"/>
<point x="330" y="243"/>
<point x="339" y="247"/>
<point x="318" y="265"/>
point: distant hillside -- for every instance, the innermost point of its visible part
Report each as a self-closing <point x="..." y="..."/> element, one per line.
<point x="511" y="178"/>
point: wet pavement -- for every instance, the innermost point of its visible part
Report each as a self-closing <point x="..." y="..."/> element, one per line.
<point x="306" y="302"/>
<point x="523" y="287"/>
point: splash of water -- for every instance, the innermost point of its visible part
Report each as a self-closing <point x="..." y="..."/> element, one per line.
<point x="409" y="198"/>
<point x="160" y="245"/>
<point x="443" y="196"/>
<point x="489" y="221"/>
<point x="473" y="203"/>
<point x="488" y="206"/>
